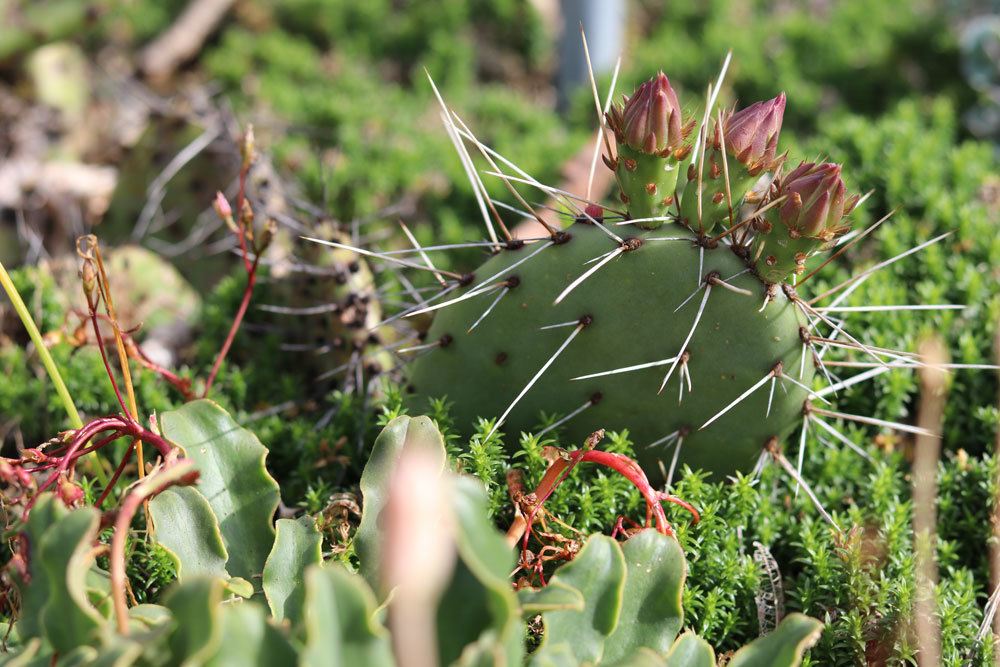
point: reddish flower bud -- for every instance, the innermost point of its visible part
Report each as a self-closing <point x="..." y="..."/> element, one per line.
<point x="650" y="120"/>
<point x="816" y="200"/>
<point x="594" y="211"/>
<point x="70" y="493"/>
<point x="751" y="134"/>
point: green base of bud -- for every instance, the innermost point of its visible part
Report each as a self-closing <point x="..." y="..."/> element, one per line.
<point x="648" y="184"/>
<point x="778" y="254"/>
<point x="715" y="205"/>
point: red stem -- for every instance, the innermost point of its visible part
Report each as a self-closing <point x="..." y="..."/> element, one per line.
<point x="118" y="472"/>
<point x="237" y="321"/>
<point x="104" y="358"/>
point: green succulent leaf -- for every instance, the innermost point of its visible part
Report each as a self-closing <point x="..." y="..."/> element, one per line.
<point x="557" y="596"/>
<point x="651" y="612"/>
<point x="196" y="633"/>
<point x="234" y="481"/>
<point x="296" y="547"/>
<point x="405" y="431"/>
<point x="340" y="625"/>
<point x="478" y="601"/>
<point x="248" y="639"/>
<point x="598" y="572"/>
<point x="46" y="512"/>
<point x="65" y="552"/>
<point x="690" y="650"/>
<point x="146" y="616"/>
<point x="187" y="528"/>
<point x="783" y="647"/>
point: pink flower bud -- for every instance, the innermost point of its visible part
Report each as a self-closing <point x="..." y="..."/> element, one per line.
<point x="816" y="200"/>
<point x="650" y="120"/>
<point x="222" y="207"/>
<point x="751" y="134"/>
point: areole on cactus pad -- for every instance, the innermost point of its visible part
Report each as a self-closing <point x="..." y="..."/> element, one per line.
<point x="676" y="318"/>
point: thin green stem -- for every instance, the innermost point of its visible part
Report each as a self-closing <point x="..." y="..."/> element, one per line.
<point x="50" y="365"/>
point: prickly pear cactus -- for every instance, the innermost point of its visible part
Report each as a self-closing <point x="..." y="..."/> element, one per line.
<point x="323" y="302"/>
<point x="676" y="318"/>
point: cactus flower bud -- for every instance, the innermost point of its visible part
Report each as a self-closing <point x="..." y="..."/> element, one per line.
<point x="816" y="201"/>
<point x="650" y="120"/>
<point x="751" y="134"/>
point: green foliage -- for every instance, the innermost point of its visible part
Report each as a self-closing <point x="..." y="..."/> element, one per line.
<point x="845" y="56"/>
<point x="399" y="434"/>
<point x="610" y="603"/>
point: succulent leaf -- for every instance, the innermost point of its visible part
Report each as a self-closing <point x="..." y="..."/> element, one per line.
<point x="297" y="545"/>
<point x="248" y="639"/>
<point x="65" y="553"/>
<point x="598" y="572"/>
<point x="187" y="528"/>
<point x="242" y="494"/>
<point x="404" y="431"/>
<point x="783" y="647"/>
<point x="339" y="621"/>
<point x="651" y="611"/>
<point x="196" y="607"/>
<point x="690" y="650"/>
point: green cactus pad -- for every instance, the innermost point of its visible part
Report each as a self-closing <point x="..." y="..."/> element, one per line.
<point x="631" y="301"/>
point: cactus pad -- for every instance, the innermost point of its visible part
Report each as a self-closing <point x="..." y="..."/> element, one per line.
<point x="627" y="317"/>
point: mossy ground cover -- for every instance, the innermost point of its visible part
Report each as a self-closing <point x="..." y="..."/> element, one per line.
<point x="877" y="92"/>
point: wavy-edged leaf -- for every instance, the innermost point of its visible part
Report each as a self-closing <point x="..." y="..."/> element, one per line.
<point x="46" y="512"/>
<point x="187" y="528"/>
<point x="690" y="650"/>
<point x="555" y="655"/>
<point x="782" y="647"/>
<point x="598" y="572"/>
<point x="196" y="631"/>
<point x="248" y="640"/>
<point x="98" y="584"/>
<point x="404" y="431"/>
<point x="234" y="481"/>
<point x="651" y="613"/>
<point x="340" y="625"/>
<point x="478" y="599"/>
<point x="146" y="616"/>
<point x="66" y="553"/>
<point x="297" y="545"/>
<point x="556" y="596"/>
